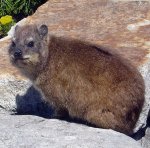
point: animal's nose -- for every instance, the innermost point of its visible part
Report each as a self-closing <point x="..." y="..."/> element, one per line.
<point x="18" y="54"/>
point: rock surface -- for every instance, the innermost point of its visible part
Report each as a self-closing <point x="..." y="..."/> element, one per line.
<point x="145" y="141"/>
<point x="36" y="132"/>
<point x="121" y="26"/>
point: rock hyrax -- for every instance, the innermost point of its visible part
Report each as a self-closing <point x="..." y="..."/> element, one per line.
<point x="82" y="79"/>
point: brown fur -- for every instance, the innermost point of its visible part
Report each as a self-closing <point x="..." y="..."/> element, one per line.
<point x="88" y="82"/>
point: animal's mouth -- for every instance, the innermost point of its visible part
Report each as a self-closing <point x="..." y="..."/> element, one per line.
<point x="21" y="59"/>
<point x="20" y="62"/>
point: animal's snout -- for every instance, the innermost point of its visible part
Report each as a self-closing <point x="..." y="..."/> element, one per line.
<point x="18" y="54"/>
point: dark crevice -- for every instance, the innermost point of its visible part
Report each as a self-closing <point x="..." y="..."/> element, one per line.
<point x="141" y="132"/>
<point x="103" y="51"/>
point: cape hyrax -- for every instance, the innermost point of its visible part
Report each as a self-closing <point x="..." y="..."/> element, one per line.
<point x="87" y="81"/>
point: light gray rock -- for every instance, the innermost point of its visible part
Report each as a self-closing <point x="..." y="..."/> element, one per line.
<point x="9" y="89"/>
<point x="145" y="141"/>
<point x="36" y="132"/>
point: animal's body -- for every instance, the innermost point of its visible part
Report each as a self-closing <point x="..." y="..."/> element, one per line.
<point x="88" y="82"/>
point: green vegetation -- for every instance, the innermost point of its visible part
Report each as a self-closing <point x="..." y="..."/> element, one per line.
<point x="17" y="7"/>
<point x="16" y="10"/>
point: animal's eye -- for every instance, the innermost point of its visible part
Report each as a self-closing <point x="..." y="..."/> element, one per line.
<point x="13" y="44"/>
<point x="30" y="44"/>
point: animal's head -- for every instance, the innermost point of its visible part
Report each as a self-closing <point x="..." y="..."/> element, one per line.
<point x="29" y="47"/>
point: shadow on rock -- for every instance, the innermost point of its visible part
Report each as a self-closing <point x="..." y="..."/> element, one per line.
<point x="31" y="104"/>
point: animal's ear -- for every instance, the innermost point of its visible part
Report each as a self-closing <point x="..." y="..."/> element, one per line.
<point x="43" y="31"/>
<point x="16" y="28"/>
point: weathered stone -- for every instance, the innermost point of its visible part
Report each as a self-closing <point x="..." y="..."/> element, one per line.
<point x="36" y="132"/>
<point x="121" y="26"/>
<point x="145" y="141"/>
